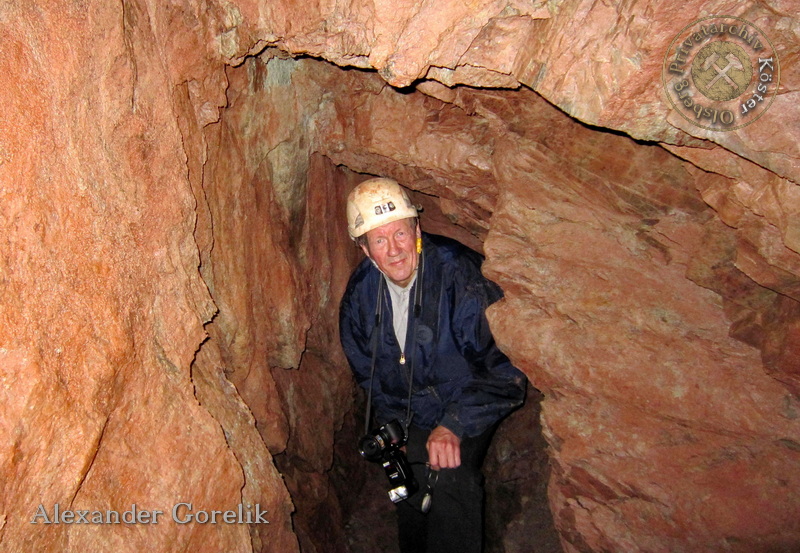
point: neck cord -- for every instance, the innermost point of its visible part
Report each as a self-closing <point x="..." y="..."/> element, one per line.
<point x="378" y="329"/>
<point x="417" y="312"/>
<point x="374" y="343"/>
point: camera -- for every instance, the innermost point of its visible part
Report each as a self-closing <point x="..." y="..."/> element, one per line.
<point x="383" y="446"/>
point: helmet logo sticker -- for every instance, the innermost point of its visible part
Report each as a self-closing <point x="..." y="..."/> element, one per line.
<point x="384" y="208"/>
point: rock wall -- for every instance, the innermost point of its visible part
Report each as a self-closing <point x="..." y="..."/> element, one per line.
<point x="102" y="304"/>
<point x="277" y="273"/>
<point x="171" y="269"/>
<point x="624" y="310"/>
<point x="658" y="296"/>
<point x="274" y="185"/>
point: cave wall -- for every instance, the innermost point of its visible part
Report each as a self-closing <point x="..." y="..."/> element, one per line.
<point x="103" y="306"/>
<point x="279" y="272"/>
<point x="164" y="333"/>
<point x="279" y="265"/>
<point x="624" y="309"/>
<point x="688" y="439"/>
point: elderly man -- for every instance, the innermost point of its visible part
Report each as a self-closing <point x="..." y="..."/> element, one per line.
<point x="413" y="328"/>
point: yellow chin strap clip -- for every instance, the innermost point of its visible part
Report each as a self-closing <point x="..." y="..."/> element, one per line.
<point x="419" y="245"/>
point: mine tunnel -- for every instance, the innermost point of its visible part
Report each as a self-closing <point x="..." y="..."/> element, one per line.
<point x="173" y="181"/>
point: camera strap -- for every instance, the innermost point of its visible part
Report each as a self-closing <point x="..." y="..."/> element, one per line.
<point x="376" y="330"/>
<point x="417" y="312"/>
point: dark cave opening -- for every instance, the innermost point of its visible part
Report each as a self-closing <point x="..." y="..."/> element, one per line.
<point x="517" y="514"/>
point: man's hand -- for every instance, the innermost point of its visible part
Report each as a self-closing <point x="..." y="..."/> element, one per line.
<point x="444" y="449"/>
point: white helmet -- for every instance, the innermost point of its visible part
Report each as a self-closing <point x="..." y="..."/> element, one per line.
<point x="376" y="202"/>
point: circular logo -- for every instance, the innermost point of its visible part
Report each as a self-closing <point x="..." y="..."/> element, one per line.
<point x="721" y="73"/>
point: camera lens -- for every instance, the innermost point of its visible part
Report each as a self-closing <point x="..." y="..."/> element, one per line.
<point x="370" y="448"/>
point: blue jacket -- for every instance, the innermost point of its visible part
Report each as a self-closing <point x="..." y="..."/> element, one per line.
<point x="461" y="379"/>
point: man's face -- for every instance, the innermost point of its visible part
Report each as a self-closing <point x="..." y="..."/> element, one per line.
<point x="393" y="248"/>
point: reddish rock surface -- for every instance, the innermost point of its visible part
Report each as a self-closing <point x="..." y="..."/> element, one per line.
<point x="174" y="255"/>
<point x="628" y="310"/>
<point x="103" y="306"/>
<point x="648" y="399"/>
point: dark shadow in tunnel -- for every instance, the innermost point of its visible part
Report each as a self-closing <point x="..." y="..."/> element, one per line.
<point x="517" y="471"/>
<point x="361" y="487"/>
<point x="518" y="516"/>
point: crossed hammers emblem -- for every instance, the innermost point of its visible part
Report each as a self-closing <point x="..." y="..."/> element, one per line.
<point x="722" y="72"/>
